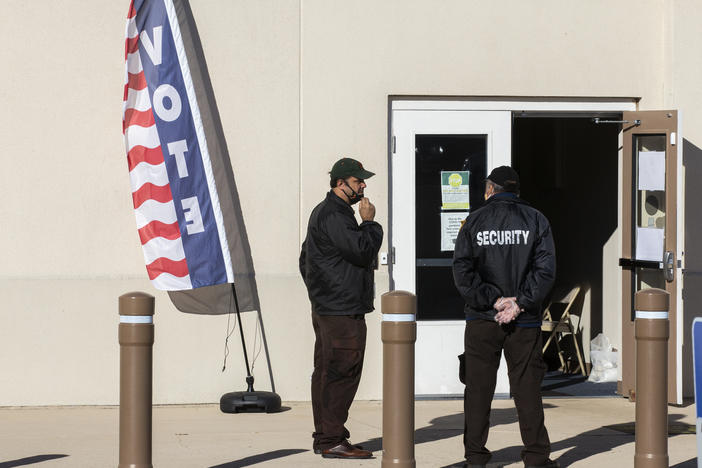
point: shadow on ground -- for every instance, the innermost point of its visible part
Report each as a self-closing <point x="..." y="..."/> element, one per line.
<point x="599" y="440"/>
<point x="582" y="446"/>
<point x="260" y="458"/>
<point x="30" y="460"/>
<point x="445" y="427"/>
<point x="691" y="463"/>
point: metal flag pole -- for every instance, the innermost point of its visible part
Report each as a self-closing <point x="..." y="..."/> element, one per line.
<point x="249" y="377"/>
<point x="250" y="400"/>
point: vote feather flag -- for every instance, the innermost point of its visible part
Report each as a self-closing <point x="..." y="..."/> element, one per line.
<point x="185" y="201"/>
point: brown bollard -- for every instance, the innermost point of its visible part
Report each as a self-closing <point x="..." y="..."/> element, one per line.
<point x="136" y="340"/>
<point x="399" y="333"/>
<point x="651" y="331"/>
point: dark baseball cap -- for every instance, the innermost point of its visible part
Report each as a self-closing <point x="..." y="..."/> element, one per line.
<point x="347" y="167"/>
<point x="506" y="177"/>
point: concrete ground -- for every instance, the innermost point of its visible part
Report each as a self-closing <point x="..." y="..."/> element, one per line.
<point x="202" y="436"/>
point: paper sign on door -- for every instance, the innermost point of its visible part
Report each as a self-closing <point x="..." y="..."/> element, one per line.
<point x="649" y="244"/>
<point x="450" y="225"/>
<point x="652" y="170"/>
<point x="455" y="193"/>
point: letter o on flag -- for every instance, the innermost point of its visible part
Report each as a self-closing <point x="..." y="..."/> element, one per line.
<point x="171" y="113"/>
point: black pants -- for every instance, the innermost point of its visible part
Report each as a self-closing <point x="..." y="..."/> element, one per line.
<point x="484" y="342"/>
<point x="338" y="361"/>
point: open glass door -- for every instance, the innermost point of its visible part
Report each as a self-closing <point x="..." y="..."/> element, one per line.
<point x="439" y="161"/>
<point x="652" y="234"/>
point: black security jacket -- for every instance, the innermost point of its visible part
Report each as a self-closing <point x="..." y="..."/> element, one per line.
<point x="337" y="259"/>
<point x="505" y="249"/>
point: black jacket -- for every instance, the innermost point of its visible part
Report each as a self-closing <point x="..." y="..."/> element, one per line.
<point x="505" y="248"/>
<point x="337" y="259"/>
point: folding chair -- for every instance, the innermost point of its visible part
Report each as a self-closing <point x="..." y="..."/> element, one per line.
<point x="562" y="326"/>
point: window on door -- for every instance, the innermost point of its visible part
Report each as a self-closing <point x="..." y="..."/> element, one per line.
<point x="649" y="212"/>
<point x="450" y="182"/>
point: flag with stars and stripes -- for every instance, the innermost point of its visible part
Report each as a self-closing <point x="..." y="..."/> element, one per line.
<point x="187" y="210"/>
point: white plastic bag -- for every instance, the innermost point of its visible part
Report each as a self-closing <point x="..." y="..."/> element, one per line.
<point x="604" y="360"/>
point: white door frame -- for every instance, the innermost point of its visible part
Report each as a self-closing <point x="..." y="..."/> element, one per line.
<point x="436" y="338"/>
<point x="438" y="341"/>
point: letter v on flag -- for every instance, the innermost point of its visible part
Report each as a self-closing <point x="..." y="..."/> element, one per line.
<point x="176" y="201"/>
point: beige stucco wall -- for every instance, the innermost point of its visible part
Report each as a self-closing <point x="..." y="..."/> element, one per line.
<point x="458" y="48"/>
<point x="686" y="95"/>
<point x="298" y="83"/>
<point x="69" y="226"/>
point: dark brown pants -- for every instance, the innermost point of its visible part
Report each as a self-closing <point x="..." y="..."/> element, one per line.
<point x="338" y="361"/>
<point x="484" y="342"/>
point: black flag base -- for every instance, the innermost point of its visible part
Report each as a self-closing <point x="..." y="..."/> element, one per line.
<point x="249" y="401"/>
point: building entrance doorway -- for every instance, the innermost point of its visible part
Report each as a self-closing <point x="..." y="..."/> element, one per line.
<point x="569" y="168"/>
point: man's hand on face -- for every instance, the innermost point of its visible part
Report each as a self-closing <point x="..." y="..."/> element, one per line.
<point x="366" y="209"/>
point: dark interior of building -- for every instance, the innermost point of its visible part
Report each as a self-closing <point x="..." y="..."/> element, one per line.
<point x="569" y="171"/>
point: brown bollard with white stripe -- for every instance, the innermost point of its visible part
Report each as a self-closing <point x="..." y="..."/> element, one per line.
<point x="651" y="331"/>
<point x="136" y="340"/>
<point x="399" y="333"/>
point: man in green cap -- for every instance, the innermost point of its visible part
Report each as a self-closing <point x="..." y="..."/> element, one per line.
<point x="337" y="261"/>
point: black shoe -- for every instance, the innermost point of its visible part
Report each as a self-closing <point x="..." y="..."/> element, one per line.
<point x="547" y="464"/>
<point x="469" y="465"/>
<point x="318" y="451"/>
<point x="346" y="450"/>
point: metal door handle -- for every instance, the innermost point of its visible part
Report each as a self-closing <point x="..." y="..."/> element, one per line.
<point x="631" y="263"/>
<point x="669" y="266"/>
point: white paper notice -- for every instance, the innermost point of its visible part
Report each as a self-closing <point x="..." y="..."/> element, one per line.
<point x="450" y="225"/>
<point x="652" y="170"/>
<point x="649" y="244"/>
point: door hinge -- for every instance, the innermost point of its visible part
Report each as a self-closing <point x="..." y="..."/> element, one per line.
<point x="394" y="146"/>
<point x="392" y="255"/>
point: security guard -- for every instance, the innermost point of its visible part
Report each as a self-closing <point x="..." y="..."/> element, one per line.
<point x="504" y="266"/>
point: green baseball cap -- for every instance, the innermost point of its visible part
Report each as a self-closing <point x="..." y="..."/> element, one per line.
<point x="347" y="167"/>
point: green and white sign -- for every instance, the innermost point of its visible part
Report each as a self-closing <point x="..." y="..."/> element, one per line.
<point x="455" y="193"/>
